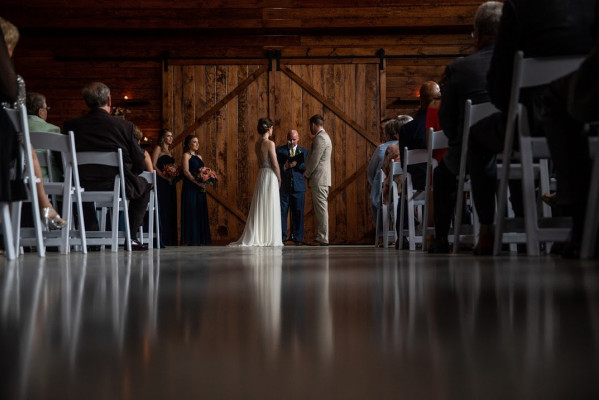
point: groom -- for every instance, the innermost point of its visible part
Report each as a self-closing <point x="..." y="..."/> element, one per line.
<point x="293" y="187"/>
<point x="318" y="174"/>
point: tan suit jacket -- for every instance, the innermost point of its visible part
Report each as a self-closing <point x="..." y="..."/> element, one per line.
<point x="318" y="166"/>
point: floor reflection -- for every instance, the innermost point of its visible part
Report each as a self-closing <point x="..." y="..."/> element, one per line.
<point x="345" y="322"/>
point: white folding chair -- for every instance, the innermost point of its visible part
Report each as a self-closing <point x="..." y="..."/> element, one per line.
<point x="472" y="114"/>
<point x="530" y="72"/>
<point x="387" y="212"/>
<point x="412" y="197"/>
<point x="382" y="218"/>
<point x="153" y="215"/>
<point x="68" y="188"/>
<point x="115" y="199"/>
<point x="18" y="117"/>
<point x="436" y="141"/>
<point x="589" y="238"/>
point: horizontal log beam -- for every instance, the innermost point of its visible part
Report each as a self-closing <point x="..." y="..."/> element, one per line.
<point x="169" y="15"/>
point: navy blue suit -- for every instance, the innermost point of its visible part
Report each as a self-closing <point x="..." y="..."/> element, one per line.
<point x="292" y="193"/>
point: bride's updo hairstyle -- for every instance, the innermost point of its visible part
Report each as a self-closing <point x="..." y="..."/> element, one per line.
<point x="264" y="124"/>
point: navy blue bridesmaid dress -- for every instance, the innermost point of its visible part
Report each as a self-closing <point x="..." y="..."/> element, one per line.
<point x="195" y="227"/>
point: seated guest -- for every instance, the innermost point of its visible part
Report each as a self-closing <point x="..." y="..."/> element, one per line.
<point x="538" y="28"/>
<point x="37" y="113"/>
<point x="374" y="168"/>
<point x="568" y="103"/>
<point x="12" y="93"/>
<point x="392" y="154"/>
<point x="413" y="134"/>
<point x="465" y="78"/>
<point x="99" y="131"/>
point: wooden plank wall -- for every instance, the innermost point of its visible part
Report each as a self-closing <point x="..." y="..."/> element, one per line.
<point x="346" y="94"/>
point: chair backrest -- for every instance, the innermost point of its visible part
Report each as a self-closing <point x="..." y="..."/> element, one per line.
<point x="437" y="140"/>
<point x="475" y="112"/>
<point x="106" y="158"/>
<point x="415" y="156"/>
<point x="51" y="141"/>
<point x="18" y="116"/>
<point x="149" y="176"/>
<point x="530" y="72"/>
<point x="395" y="168"/>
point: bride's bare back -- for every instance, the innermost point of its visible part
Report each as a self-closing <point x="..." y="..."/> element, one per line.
<point x="261" y="148"/>
<point x="265" y="150"/>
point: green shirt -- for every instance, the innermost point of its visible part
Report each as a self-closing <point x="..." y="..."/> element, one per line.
<point x="37" y="124"/>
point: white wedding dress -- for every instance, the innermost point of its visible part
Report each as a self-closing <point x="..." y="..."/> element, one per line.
<point x="263" y="226"/>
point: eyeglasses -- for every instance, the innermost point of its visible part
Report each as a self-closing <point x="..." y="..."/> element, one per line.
<point x="46" y="108"/>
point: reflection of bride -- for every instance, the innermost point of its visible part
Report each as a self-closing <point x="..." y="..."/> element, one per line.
<point x="263" y="227"/>
<point x="266" y="270"/>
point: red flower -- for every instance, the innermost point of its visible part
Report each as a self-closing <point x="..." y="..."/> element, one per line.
<point x="207" y="176"/>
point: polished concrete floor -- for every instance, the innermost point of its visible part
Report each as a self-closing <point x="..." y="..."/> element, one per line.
<point x="343" y="322"/>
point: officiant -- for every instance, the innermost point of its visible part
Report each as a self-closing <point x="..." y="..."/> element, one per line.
<point x="291" y="158"/>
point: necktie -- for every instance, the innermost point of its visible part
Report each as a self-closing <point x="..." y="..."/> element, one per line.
<point x="292" y="151"/>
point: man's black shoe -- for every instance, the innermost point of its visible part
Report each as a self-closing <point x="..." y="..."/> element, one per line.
<point x="137" y="246"/>
<point x="439" y="246"/>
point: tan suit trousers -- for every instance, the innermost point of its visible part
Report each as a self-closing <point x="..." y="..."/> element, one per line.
<point x="320" y="195"/>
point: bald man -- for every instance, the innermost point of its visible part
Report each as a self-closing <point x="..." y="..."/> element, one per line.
<point x="293" y="187"/>
<point x="413" y="134"/>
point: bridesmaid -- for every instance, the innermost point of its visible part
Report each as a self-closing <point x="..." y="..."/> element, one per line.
<point x="167" y="191"/>
<point x="195" y="229"/>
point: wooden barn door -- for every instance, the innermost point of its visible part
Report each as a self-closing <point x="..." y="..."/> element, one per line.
<point x="221" y="104"/>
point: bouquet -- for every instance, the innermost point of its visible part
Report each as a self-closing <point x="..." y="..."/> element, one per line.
<point x="173" y="172"/>
<point x="206" y="176"/>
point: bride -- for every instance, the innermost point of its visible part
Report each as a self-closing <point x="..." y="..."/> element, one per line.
<point x="263" y="227"/>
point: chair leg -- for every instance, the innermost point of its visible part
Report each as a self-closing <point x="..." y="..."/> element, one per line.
<point x="529" y="198"/>
<point x="151" y="222"/>
<point x="115" y="226"/>
<point x="377" y="226"/>
<point x="411" y="225"/>
<point x="402" y="215"/>
<point x="103" y="221"/>
<point x="385" y="213"/>
<point x="156" y="217"/>
<point x="7" y="232"/>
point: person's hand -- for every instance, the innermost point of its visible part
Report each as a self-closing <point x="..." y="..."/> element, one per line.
<point x="202" y="185"/>
<point x="293" y="164"/>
